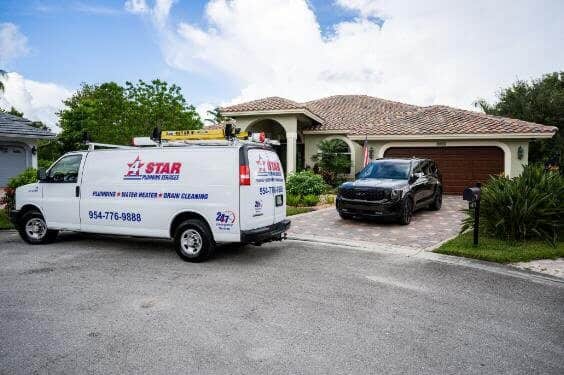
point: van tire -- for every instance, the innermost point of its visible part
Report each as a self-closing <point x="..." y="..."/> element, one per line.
<point x="193" y="241"/>
<point x="31" y="218"/>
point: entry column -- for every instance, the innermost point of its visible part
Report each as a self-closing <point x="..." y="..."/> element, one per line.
<point x="291" y="139"/>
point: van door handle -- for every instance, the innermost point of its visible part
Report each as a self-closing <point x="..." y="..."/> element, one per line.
<point x="77" y="191"/>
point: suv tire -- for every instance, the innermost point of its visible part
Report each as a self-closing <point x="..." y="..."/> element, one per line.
<point x="33" y="229"/>
<point x="437" y="200"/>
<point x="193" y="241"/>
<point x="406" y="212"/>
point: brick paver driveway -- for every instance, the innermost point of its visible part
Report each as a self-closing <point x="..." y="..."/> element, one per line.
<point x="427" y="228"/>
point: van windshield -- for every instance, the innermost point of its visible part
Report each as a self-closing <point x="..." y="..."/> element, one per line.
<point x="387" y="169"/>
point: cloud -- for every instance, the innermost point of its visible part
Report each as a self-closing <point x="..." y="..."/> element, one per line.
<point x="424" y="53"/>
<point x="98" y="10"/>
<point x="136" y="6"/>
<point x="159" y="12"/>
<point x="39" y="101"/>
<point x="13" y="43"/>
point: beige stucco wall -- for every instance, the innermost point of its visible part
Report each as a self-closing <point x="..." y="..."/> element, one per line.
<point x="512" y="165"/>
<point x="288" y="122"/>
<point x="311" y="142"/>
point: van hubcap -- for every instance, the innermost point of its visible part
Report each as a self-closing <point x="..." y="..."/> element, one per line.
<point x="36" y="228"/>
<point x="191" y="242"/>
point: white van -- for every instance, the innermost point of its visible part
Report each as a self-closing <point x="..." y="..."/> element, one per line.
<point x="197" y="194"/>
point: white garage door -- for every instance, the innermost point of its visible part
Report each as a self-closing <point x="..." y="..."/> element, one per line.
<point x="12" y="162"/>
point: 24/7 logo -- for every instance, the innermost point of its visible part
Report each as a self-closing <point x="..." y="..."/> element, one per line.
<point x="153" y="170"/>
<point x="224" y="220"/>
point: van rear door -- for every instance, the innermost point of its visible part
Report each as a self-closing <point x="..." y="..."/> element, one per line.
<point x="261" y="187"/>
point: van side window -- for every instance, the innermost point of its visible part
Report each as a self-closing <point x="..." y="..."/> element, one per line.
<point x="65" y="170"/>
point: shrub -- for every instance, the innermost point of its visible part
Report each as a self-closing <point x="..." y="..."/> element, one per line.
<point x="310" y="200"/>
<point x="333" y="160"/>
<point x="523" y="207"/>
<point x="26" y="177"/>
<point x="305" y="183"/>
<point x="293" y="200"/>
<point x="329" y="199"/>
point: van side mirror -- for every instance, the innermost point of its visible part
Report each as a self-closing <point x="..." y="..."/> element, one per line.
<point x="42" y="175"/>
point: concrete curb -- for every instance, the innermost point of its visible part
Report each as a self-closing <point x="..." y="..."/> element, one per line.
<point x="311" y="212"/>
<point x="421" y="253"/>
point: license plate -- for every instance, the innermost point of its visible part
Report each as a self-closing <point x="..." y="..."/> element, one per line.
<point x="279" y="199"/>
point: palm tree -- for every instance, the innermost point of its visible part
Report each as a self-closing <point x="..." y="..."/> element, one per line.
<point x="215" y="116"/>
<point x="3" y="74"/>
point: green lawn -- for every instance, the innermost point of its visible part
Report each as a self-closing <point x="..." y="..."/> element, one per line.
<point x="500" y="251"/>
<point x="291" y="210"/>
<point x="4" y="220"/>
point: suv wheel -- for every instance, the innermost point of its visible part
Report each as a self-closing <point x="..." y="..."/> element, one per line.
<point x="406" y="211"/>
<point x="193" y="241"/>
<point x="437" y="200"/>
<point x="33" y="229"/>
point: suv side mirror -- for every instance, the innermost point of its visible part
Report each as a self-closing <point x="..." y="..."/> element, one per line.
<point x="414" y="177"/>
<point x="41" y="175"/>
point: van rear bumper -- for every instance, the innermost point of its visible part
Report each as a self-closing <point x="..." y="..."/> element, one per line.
<point x="272" y="232"/>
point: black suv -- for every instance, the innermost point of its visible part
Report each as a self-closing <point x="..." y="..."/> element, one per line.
<point x="391" y="188"/>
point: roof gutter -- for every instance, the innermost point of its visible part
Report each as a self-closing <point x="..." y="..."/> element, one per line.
<point x="30" y="136"/>
<point x="299" y="111"/>
<point x="392" y="137"/>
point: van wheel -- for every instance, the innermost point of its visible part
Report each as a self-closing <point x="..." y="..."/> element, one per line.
<point x="33" y="229"/>
<point x="193" y="241"/>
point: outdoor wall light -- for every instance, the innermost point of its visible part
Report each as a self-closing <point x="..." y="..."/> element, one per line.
<point x="520" y="152"/>
<point x="33" y="150"/>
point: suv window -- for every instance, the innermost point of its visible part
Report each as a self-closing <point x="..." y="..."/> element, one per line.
<point x="432" y="168"/>
<point x="418" y="168"/>
<point x="65" y="170"/>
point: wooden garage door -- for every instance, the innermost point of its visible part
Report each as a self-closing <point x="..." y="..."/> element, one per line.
<point x="460" y="166"/>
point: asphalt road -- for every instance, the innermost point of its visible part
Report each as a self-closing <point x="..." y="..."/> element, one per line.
<point x="91" y="304"/>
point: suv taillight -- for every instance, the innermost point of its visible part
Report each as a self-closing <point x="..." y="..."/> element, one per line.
<point x="244" y="175"/>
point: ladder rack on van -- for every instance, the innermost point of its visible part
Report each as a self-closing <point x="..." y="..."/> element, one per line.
<point x="92" y="146"/>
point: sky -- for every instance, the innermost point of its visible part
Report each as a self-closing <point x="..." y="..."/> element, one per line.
<point x="226" y="51"/>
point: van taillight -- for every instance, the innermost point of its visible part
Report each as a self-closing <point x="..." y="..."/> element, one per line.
<point x="244" y="175"/>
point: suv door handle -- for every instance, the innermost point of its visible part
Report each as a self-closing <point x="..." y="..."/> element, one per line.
<point x="77" y="191"/>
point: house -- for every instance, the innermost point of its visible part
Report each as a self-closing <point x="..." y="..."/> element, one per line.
<point x="468" y="146"/>
<point x="18" y="145"/>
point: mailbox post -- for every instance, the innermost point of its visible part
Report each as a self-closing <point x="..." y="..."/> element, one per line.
<point x="472" y="195"/>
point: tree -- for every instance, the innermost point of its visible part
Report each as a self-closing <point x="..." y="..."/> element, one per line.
<point x="13" y="112"/>
<point x="333" y="160"/>
<point x="114" y="114"/>
<point x="540" y="101"/>
<point x="3" y="74"/>
<point x="215" y="117"/>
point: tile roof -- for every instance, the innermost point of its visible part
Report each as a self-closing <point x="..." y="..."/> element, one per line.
<point x="362" y="114"/>
<point x="19" y="126"/>
<point x="267" y="104"/>
<point x="352" y="112"/>
<point x="440" y="119"/>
